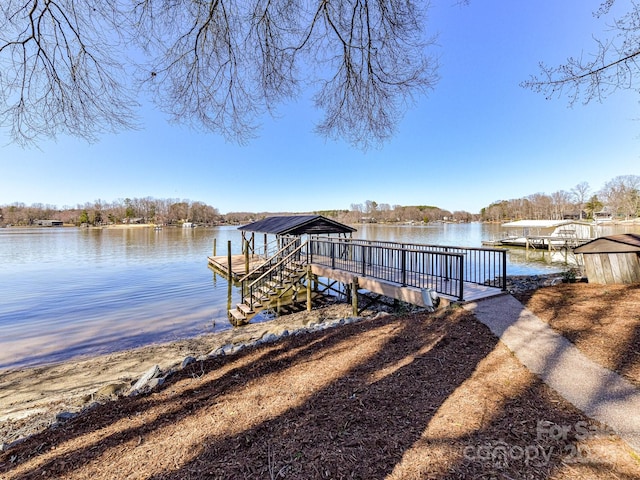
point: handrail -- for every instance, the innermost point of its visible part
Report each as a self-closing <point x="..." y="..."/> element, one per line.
<point x="408" y="267"/>
<point x="265" y="250"/>
<point x="268" y="261"/>
<point x="443" y="268"/>
<point x="278" y="268"/>
<point x="483" y="265"/>
<point x="280" y="262"/>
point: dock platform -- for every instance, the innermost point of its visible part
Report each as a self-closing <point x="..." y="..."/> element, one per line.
<point x="239" y="263"/>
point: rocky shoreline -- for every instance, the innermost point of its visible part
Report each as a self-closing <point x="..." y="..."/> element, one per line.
<point x="33" y="399"/>
<point x="519" y="284"/>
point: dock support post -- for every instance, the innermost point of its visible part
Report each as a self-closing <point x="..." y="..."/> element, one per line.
<point x="229" y="295"/>
<point x="309" y="277"/>
<point x="214" y="246"/>
<point x="246" y="259"/>
<point x="229" y="271"/>
<point x="354" y="296"/>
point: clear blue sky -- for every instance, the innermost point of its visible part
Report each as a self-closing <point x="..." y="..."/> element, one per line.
<point x="477" y="138"/>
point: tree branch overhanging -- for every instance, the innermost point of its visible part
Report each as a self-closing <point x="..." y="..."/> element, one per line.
<point x="615" y="64"/>
<point x="217" y="65"/>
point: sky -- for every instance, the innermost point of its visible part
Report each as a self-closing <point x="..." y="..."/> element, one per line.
<point x="477" y="138"/>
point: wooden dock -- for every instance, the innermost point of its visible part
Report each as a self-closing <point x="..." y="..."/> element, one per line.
<point x="413" y="295"/>
<point x="241" y="265"/>
<point x="414" y="273"/>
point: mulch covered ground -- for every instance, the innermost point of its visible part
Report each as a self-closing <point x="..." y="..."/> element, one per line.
<point x="420" y="396"/>
<point x="603" y="321"/>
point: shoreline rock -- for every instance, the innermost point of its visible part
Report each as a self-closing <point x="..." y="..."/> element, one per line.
<point x="517" y="284"/>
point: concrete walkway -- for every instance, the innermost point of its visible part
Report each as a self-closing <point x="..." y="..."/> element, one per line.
<point x="601" y="394"/>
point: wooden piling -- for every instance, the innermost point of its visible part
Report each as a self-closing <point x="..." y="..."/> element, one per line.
<point x="354" y="296"/>
<point x="309" y="277"/>
<point x="246" y="259"/>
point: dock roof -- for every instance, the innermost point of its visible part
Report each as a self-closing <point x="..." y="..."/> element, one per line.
<point x="541" y="223"/>
<point x="297" y="225"/>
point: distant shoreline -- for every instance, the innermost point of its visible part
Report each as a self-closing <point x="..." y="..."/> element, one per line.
<point x="631" y="222"/>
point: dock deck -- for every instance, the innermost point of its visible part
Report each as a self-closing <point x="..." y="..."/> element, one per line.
<point x="238" y="265"/>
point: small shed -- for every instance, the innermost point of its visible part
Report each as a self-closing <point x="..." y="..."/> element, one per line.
<point x="612" y="259"/>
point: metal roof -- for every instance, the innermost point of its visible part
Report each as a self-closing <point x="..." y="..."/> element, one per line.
<point x="541" y="223"/>
<point x="297" y="225"/>
<point x="623" y="243"/>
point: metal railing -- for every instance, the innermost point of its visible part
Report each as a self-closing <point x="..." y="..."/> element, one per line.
<point x="289" y="257"/>
<point x="443" y="268"/>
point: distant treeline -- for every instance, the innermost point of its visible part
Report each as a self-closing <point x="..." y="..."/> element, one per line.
<point x="620" y="197"/>
<point x="128" y="210"/>
<point x="176" y="212"/>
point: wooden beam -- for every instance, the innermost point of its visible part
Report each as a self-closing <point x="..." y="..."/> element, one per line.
<point x="309" y="301"/>
<point x="354" y="297"/>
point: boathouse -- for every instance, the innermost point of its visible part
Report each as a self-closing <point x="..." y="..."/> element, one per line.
<point x="330" y="261"/>
<point x="547" y="234"/>
<point x="284" y="228"/>
<point x="295" y="225"/>
<point x="612" y="259"/>
<point x="48" y="223"/>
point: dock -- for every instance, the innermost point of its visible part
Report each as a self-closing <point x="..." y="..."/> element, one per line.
<point x="301" y="271"/>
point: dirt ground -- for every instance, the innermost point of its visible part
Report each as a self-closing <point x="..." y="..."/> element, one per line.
<point x="418" y="396"/>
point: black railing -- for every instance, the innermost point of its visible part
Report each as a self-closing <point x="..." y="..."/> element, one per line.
<point x="289" y="257"/>
<point x="443" y="268"/>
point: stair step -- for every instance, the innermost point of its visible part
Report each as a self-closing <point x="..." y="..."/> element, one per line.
<point x="237" y="314"/>
<point x="258" y="298"/>
<point x="244" y="308"/>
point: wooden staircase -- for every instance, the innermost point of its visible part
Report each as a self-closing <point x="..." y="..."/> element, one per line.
<point x="281" y="285"/>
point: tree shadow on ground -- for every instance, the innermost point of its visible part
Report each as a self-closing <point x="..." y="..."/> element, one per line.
<point x="412" y="397"/>
<point x="603" y="321"/>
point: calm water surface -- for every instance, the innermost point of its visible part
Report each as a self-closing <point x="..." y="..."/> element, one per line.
<point x="66" y="292"/>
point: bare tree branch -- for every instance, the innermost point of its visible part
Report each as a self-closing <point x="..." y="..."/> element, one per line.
<point x="58" y="70"/>
<point x="381" y="67"/>
<point x="216" y="65"/>
<point x="615" y="64"/>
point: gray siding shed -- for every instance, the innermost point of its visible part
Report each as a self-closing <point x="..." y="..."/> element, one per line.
<point x="613" y="259"/>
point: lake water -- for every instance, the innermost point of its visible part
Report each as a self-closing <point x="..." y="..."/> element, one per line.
<point x="67" y="292"/>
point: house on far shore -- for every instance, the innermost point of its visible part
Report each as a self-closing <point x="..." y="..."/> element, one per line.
<point x="48" y="223"/>
<point x="604" y="215"/>
<point x="612" y="259"/>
